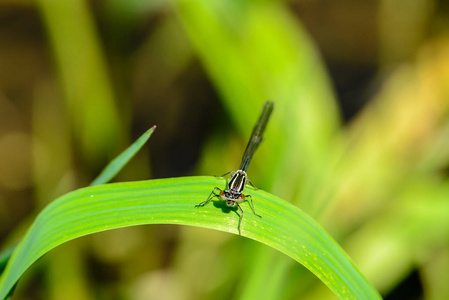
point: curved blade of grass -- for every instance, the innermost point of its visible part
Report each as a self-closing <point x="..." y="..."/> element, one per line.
<point x="105" y="176"/>
<point x="5" y="255"/>
<point x="120" y="161"/>
<point x="172" y="201"/>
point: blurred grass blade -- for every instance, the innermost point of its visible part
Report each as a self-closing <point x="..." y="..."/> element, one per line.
<point x="5" y="255"/>
<point x="75" y="42"/>
<point x="120" y="161"/>
<point x="172" y="201"/>
<point x="234" y="48"/>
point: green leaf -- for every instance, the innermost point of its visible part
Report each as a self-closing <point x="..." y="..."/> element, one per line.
<point x="120" y="161"/>
<point x="105" y="176"/>
<point x="172" y="201"/>
<point x="5" y="255"/>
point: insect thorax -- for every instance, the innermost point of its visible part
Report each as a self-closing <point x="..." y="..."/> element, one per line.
<point x="237" y="182"/>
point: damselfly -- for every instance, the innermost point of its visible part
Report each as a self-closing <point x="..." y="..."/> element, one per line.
<point x="233" y="195"/>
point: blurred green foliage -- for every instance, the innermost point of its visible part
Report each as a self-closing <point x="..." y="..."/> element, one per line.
<point x="79" y="78"/>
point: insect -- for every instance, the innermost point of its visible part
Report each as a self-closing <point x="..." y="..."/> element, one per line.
<point x="233" y="195"/>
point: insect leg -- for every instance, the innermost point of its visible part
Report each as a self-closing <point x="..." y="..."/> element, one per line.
<point x="252" y="205"/>
<point x="241" y="216"/>
<point x="251" y="184"/>
<point x="224" y="174"/>
<point x="212" y="195"/>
